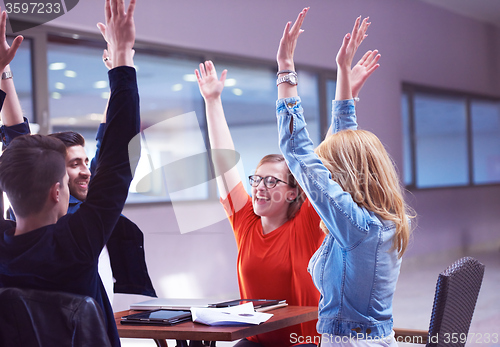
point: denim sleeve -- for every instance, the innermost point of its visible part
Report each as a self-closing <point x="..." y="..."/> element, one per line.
<point x="345" y="220"/>
<point x="343" y="115"/>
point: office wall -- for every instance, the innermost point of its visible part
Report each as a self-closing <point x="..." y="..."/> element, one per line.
<point x="419" y="43"/>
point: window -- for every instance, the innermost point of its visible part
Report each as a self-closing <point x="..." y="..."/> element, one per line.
<point x="174" y="161"/>
<point x="450" y="139"/>
<point x="78" y="88"/>
<point x="173" y="130"/>
<point x="485" y="124"/>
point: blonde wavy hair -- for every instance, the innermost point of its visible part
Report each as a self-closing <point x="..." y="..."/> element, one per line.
<point x="360" y="164"/>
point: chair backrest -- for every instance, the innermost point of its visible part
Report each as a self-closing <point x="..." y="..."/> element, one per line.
<point x="456" y="294"/>
<point x="38" y="318"/>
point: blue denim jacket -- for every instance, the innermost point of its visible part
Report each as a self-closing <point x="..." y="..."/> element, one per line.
<point x="356" y="268"/>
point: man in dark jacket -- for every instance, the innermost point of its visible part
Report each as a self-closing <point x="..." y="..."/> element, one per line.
<point x="122" y="263"/>
<point x="46" y="248"/>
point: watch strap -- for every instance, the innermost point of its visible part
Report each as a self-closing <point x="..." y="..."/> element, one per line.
<point x="285" y="71"/>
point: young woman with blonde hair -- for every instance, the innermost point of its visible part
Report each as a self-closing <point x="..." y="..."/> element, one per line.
<point x="352" y="183"/>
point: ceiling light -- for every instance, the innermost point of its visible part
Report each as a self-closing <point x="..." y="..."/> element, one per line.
<point x="237" y="91"/>
<point x="72" y="120"/>
<point x="177" y="87"/>
<point x="70" y="73"/>
<point x="230" y="82"/>
<point x="105" y="95"/>
<point x="59" y="85"/>
<point x="100" y="84"/>
<point x="56" y="95"/>
<point x="190" y="77"/>
<point x="57" y="66"/>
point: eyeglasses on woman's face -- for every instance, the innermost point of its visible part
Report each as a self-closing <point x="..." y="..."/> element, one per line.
<point x="269" y="181"/>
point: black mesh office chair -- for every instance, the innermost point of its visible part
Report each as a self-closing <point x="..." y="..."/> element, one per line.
<point x="455" y="298"/>
<point x="46" y="319"/>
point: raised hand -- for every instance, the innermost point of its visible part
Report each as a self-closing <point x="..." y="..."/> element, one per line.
<point x="119" y="31"/>
<point x="210" y="86"/>
<point x="288" y="41"/>
<point x="7" y="53"/>
<point x="351" y="43"/>
<point x="362" y="70"/>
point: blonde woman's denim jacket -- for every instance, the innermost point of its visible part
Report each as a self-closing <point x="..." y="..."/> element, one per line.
<point x="356" y="268"/>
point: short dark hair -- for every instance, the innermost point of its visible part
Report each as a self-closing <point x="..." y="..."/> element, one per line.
<point x="29" y="167"/>
<point x="70" y="138"/>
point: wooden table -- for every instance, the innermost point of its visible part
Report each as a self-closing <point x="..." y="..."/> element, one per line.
<point x="282" y="317"/>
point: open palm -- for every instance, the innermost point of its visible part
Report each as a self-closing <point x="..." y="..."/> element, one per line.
<point x="351" y="43"/>
<point x="363" y="69"/>
<point x="210" y="86"/>
<point x="7" y="52"/>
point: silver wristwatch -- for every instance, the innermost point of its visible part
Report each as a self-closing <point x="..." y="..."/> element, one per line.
<point x="6" y="75"/>
<point x="289" y="78"/>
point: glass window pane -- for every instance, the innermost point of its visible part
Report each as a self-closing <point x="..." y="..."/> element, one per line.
<point x="174" y="131"/>
<point x="22" y="71"/>
<point x="331" y="85"/>
<point x="309" y="94"/>
<point x="441" y="141"/>
<point x="407" y="154"/>
<point x="78" y="86"/>
<point x="485" y="121"/>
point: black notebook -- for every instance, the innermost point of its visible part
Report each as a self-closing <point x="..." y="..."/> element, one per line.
<point x="157" y="317"/>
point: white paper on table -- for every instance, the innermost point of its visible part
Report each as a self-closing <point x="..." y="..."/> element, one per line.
<point x="234" y="315"/>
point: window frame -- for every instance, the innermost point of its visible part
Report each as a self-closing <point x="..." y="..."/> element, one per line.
<point x="409" y="90"/>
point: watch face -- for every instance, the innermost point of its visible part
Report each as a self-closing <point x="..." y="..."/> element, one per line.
<point x="290" y="78"/>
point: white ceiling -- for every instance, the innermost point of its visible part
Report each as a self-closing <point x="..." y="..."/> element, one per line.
<point x="487" y="11"/>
